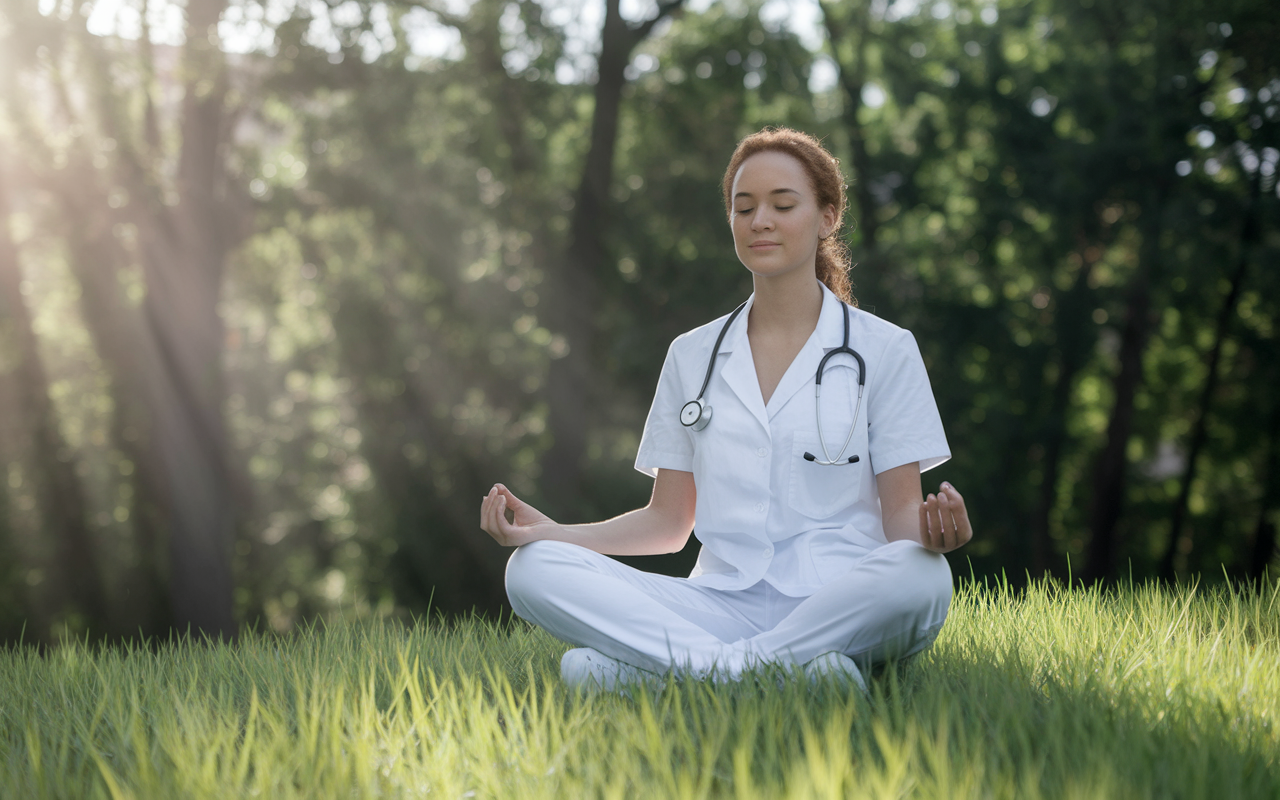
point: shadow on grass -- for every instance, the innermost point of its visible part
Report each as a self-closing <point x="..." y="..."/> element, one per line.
<point x="1106" y="699"/>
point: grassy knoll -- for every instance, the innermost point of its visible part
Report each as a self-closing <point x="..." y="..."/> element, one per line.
<point x="1133" y="693"/>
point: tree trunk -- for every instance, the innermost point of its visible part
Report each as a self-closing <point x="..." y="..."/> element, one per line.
<point x="14" y="612"/>
<point x="853" y="79"/>
<point x="1264" y="534"/>
<point x="573" y="290"/>
<point x="1180" y="542"/>
<point x="1070" y="332"/>
<point x="167" y="360"/>
<point x="141" y="605"/>
<point x="432" y="485"/>
<point x="1111" y="466"/>
<point x="184" y="258"/>
<point x="24" y="393"/>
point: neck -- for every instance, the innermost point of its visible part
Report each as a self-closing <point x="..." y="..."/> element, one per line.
<point x="787" y="305"/>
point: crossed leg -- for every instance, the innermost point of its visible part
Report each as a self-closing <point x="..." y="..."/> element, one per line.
<point x="654" y="622"/>
<point x="892" y="603"/>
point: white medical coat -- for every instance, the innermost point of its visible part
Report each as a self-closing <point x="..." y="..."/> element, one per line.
<point x="763" y="512"/>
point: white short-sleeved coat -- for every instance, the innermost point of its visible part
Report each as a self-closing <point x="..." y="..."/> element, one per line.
<point x="763" y="512"/>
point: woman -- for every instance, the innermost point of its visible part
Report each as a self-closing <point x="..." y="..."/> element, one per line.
<point x="810" y="556"/>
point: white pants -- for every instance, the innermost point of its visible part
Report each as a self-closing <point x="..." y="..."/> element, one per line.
<point x="891" y="604"/>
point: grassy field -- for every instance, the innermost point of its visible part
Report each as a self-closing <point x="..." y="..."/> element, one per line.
<point x="1138" y="692"/>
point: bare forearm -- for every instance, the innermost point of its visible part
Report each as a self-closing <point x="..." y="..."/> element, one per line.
<point x="663" y="526"/>
<point x="903" y="521"/>
<point x="939" y="522"/>
<point x="643" y="532"/>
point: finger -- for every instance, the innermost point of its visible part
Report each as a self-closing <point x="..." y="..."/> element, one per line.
<point x="935" y="522"/>
<point x="964" y="530"/>
<point x="948" y="522"/>
<point x="938" y="524"/>
<point x="925" y="539"/>
<point x="490" y="526"/>
<point x="517" y="506"/>
<point x="499" y="516"/>
<point x="490" y="523"/>
<point x="495" y="519"/>
<point x="510" y="501"/>
<point x="509" y="526"/>
<point x="484" y="510"/>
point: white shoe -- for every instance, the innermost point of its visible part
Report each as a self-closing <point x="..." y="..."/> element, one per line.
<point x="837" y="666"/>
<point x="593" y="670"/>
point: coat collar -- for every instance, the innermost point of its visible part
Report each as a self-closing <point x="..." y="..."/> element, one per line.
<point x="740" y="371"/>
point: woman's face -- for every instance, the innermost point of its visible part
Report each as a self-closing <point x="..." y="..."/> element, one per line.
<point x="776" y="220"/>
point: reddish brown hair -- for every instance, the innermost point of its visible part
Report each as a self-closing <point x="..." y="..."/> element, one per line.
<point x="828" y="186"/>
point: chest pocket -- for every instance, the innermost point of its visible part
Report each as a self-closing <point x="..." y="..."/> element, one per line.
<point x="818" y="491"/>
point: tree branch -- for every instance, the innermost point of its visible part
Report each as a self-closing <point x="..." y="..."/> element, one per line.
<point x="664" y="9"/>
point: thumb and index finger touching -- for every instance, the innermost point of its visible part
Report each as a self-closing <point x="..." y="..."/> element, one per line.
<point x="493" y="508"/>
<point x="493" y="513"/>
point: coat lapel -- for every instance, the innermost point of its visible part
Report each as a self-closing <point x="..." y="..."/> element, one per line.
<point x="827" y="335"/>
<point x="740" y="369"/>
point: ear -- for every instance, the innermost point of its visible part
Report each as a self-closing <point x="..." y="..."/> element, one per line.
<point x="829" y="221"/>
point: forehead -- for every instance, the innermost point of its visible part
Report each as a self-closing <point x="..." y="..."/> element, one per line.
<point x="765" y="172"/>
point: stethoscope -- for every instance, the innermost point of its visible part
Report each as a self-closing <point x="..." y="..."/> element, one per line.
<point x="696" y="413"/>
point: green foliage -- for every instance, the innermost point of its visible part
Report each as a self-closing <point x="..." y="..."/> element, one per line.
<point x="390" y="336"/>
<point x="1027" y="171"/>
<point x="1055" y="693"/>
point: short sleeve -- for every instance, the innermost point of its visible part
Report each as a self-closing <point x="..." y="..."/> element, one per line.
<point x="666" y="444"/>
<point x="903" y="419"/>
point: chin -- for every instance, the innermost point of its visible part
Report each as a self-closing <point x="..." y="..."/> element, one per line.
<point x="766" y="270"/>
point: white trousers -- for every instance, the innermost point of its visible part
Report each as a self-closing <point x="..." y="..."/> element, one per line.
<point x="891" y="604"/>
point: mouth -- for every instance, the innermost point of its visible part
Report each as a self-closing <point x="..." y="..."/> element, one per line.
<point x="762" y="245"/>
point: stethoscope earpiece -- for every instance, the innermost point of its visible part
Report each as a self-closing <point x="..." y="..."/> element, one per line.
<point x="811" y="457"/>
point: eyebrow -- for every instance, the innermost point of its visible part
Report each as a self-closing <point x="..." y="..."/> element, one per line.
<point x="775" y="191"/>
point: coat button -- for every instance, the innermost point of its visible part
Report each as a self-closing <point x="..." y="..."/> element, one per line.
<point x="767" y="552"/>
<point x="762" y="452"/>
<point x="759" y="507"/>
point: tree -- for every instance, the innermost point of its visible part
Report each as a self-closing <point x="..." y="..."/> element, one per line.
<point x="32" y="444"/>
<point x="168" y="352"/>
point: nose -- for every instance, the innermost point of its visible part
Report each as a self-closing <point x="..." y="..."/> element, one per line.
<point x="762" y="220"/>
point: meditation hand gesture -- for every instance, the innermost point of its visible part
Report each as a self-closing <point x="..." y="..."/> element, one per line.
<point x="524" y="528"/>
<point x="944" y="521"/>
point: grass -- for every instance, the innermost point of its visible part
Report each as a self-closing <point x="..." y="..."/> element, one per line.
<point x="1133" y="692"/>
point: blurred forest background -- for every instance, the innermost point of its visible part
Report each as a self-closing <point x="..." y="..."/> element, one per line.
<point x="285" y="286"/>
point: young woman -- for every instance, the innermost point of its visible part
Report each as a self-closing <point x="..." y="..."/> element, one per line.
<point x="793" y="432"/>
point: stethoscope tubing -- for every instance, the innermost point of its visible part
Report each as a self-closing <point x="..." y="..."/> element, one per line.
<point x="706" y="381"/>
<point x="704" y="410"/>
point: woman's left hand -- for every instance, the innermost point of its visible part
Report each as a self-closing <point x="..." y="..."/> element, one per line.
<point x="944" y="521"/>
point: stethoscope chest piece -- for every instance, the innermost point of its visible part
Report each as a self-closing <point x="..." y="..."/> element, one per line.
<point x="696" y="414"/>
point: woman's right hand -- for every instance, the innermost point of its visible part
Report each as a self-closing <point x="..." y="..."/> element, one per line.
<point x="529" y="524"/>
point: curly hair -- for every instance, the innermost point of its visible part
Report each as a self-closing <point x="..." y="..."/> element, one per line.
<point x="833" y="260"/>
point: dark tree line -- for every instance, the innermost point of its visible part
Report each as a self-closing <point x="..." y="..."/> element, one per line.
<point x="271" y="322"/>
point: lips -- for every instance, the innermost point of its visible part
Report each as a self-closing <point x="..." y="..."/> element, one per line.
<point x="763" y="245"/>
